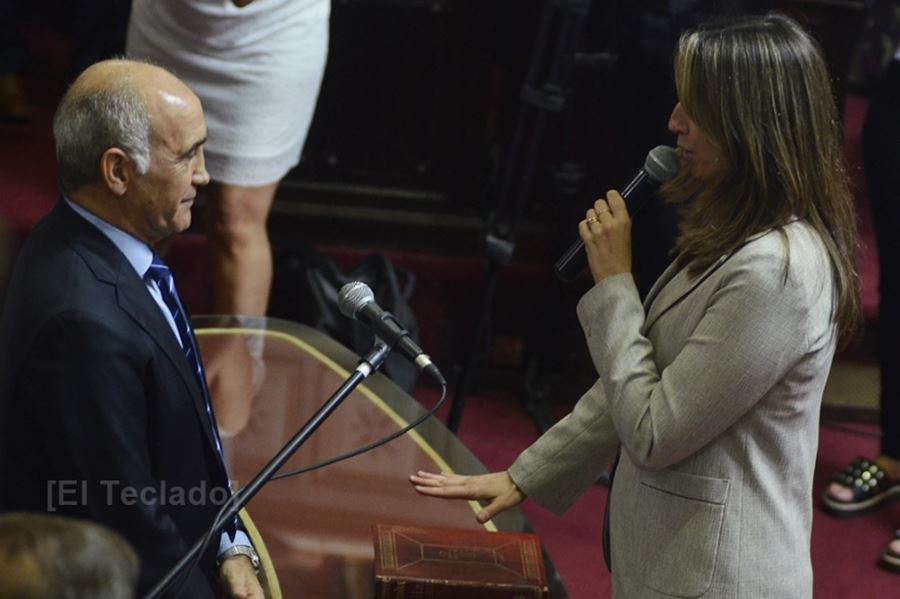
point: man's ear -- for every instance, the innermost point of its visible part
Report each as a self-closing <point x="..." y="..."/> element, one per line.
<point x="116" y="170"/>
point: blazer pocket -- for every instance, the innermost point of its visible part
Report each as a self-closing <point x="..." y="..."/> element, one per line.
<point x="683" y="515"/>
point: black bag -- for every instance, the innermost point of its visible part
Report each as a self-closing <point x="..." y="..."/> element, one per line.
<point x="305" y="289"/>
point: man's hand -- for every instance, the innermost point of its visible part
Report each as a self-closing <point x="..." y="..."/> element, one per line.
<point x="239" y="579"/>
<point x="497" y="489"/>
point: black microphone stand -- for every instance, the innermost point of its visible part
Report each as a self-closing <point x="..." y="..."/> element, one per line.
<point x="544" y="93"/>
<point x="369" y="364"/>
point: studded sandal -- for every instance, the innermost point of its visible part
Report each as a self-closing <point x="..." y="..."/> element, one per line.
<point x="871" y="487"/>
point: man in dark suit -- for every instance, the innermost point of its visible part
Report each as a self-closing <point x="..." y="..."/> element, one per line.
<point x="104" y="413"/>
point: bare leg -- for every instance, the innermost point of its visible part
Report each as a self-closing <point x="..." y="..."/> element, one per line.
<point x="240" y="252"/>
<point x="231" y="373"/>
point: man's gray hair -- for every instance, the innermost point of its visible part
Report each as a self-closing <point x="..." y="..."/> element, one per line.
<point x="89" y="122"/>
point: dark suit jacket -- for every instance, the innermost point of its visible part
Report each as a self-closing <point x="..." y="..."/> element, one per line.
<point x="104" y="419"/>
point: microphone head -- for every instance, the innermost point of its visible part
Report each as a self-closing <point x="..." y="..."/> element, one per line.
<point x="662" y="163"/>
<point x="353" y="296"/>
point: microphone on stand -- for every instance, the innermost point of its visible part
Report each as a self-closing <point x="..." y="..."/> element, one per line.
<point x="661" y="165"/>
<point x="356" y="300"/>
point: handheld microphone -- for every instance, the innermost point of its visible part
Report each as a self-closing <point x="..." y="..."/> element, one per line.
<point x="661" y="165"/>
<point x="357" y="301"/>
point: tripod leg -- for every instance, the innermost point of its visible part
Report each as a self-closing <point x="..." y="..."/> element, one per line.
<point x="558" y="33"/>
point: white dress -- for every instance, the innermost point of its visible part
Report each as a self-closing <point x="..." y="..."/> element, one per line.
<point x="257" y="71"/>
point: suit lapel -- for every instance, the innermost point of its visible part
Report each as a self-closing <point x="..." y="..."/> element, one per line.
<point x="674" y="291"/>
<point x="667" y="292"/>
<point x="137" y="303"/>
<point x="661" y="282"/>
<point x="110" y="266"/>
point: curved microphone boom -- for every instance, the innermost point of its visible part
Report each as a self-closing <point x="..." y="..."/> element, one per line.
<point x="357" y="301"/>
<point x="661" y="165"/>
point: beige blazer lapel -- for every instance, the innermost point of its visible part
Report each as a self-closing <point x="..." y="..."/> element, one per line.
<point x="663" y="296"/>
<point x="660" y="283"/>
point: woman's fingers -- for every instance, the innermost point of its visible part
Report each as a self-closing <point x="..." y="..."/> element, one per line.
<point x="605" y="212"/>
<point x="428" y="478"/>
<point x="488" y="512"/>
<point x="600" y="208"/>
<point x="607" y="236"/>
<point x="449" y="486"/>
<point x="613" y="205"/>
<point x="501" y="503"/>
<point x="456" y="486"/>
<point x="616" y="204"/>
<point x="496" y="488"/>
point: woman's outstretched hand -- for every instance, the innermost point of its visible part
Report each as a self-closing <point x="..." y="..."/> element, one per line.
<point x="497" y="489"/>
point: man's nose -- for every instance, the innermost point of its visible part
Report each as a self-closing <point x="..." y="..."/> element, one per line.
<point x="201" y="175"/>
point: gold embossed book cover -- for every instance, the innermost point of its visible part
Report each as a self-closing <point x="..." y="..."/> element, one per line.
<point x="414" y="562"/>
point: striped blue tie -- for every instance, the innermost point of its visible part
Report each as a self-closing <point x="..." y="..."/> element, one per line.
<point x="160" y="274"/>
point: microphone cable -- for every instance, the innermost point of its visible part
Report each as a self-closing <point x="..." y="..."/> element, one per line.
<point x="371" y="446"/>
<point x="207" y="539"/>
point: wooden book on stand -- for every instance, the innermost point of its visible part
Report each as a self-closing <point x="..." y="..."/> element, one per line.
<point x="440" y="563"/>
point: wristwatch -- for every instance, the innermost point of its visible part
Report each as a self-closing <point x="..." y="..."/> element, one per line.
<point x="247" y="550"/>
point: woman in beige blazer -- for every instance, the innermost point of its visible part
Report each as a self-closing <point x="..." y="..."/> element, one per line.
<point x="711" y="389"/>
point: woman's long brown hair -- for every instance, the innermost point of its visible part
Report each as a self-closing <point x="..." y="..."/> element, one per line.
<point x="759" y="89"/>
